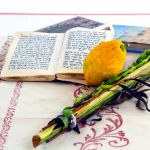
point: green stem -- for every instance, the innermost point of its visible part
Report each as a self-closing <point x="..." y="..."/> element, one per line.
<point x="105" y="97"/>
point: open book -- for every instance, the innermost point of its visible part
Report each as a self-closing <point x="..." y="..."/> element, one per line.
<point x="35" y="56"/>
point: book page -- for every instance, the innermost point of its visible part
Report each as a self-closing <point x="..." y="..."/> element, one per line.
<point x="77" y="44"/>
<point x="33" y="54"/>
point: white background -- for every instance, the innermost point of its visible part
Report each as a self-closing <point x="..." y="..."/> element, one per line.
<point x="135" y="122"/>
<point x="29" y="15"/>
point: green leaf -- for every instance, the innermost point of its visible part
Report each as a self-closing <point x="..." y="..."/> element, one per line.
<point x="65" y="121"/>
<point x="78" y="99"/>
<point x="67" y="112"/>
<point x="106" y="86"/>
<point x="123" y="47"/>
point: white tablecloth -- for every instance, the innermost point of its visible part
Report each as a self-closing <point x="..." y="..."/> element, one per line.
<point x="25" y="107"/>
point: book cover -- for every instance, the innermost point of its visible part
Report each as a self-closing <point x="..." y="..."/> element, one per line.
<point x="62" y="27"/>
<point x="136" y="37"/>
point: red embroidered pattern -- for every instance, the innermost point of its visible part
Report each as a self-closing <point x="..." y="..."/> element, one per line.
<point x="80" y="90"/>
<point x="4" y="52"/>
<point x="9" y="115"/>
<point x="111" y="134"/>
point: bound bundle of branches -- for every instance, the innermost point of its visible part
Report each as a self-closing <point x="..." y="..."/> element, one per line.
<point x="114" y="91"/>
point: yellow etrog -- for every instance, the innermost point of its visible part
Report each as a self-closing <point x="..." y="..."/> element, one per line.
<point x="104" y="62"/>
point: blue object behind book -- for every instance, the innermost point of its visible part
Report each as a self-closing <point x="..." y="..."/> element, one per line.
<point x="137" y="38"/>
<point x="132" y="33"/>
